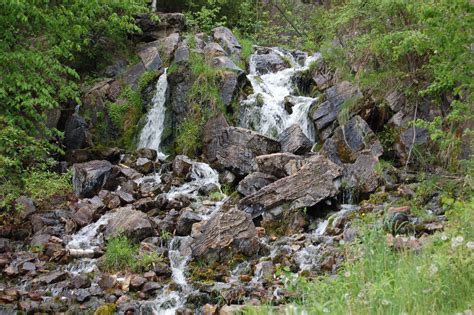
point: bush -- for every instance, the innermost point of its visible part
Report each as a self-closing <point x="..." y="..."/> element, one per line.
<point x="419" y="48"/>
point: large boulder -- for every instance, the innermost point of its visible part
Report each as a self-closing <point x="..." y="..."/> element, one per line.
<point x="132" y="223"/>
<point x="167" y="45"/>
<point x="185" y="221"/>
<point x="155" y="26"/>
<point x="213" y="50"/>
<point x="235" y="149"/>
<point x="362" y="176"/>
<point x="267" y="61"/>
<point x="280" y="164"/>
<point x="348" y="140"/>
<point x="254" y="182"/>
<point x="229" y="87"/>
<point x="293" y="140"/>
<point x="224" y="234"/>
<point x="413" y="136"/>
<point x="177" y="105"/>
<point x="324" y="113"/>
<point x="224" y="37"/>
<point x="149" y="54"/>
<point x="88" y="178"/>
<point x="76" y="133"/>
<point x="317" y="180"/>
<point x="133" y="74"/>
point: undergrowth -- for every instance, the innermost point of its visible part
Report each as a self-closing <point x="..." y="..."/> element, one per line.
<point x="122" y="255"/>
<point x="376" y="279"/>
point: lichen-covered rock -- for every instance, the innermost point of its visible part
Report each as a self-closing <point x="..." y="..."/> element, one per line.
<point x="149" y="54"/>
<point x="349" y="140"/>
<point x="293" y="140"/>
<point x="235" y="149"/>
<point x="224" y="234"/>
<point x="224" y="37"/>
<point x="324" y="113"/>
<point x="317" y="180"/>
<point x="88" y="178"/>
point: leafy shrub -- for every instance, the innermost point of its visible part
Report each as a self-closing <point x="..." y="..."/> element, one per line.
<point x="417" y="47"/>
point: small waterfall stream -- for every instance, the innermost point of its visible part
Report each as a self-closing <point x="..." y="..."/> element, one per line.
<point x="150" y="136"/>
<point x="264" y="110"/>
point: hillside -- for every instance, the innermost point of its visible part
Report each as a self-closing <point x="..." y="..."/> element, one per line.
<point x="236" y="157"/>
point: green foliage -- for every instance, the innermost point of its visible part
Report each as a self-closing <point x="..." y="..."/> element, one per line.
<point x="204" y="100"/>
<point x="44" y="45"/>
<point x="244" y="15"/>
<point x="119" y="254"/>
<point x="418" y="47"/>
<point x="165" y="235"/>
<point x="216" y="196"/>
<point x="146" y="261"/>
<point x="188" y="140"/>
<point x="42" y="185"/>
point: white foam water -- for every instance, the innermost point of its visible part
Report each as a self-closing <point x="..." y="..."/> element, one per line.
<point x="89" y="237"/>
<point x="150" y="136"/>
<point x="264" y="110"/>
<point x="201" y="175"/>
<point x="169" y="300"/>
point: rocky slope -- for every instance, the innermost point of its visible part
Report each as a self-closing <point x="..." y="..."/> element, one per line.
<point x="227" y="223"/>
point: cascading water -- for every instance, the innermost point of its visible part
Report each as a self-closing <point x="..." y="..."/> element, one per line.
<point x="169" y="301"/>
<point x="264" y="110"/>
<point x="150" y="136"/>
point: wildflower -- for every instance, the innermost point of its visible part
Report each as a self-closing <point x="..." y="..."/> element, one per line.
<point x="347" y="274"/>
<point x="385" y="302"/>
<point x="458" y="240"/>
<point x="433" y="269"/>
<point x="444" y="237"/>
<point x="470" y="245"/>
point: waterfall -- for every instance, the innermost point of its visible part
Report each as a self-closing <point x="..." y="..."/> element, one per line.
<point x="150" y="136"/>
<point x="264" y="110"/>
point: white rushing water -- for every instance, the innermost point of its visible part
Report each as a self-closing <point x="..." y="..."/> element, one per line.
<point x="169" y="300"/>
<point x="150" y="136"/>
<point x="201" y="175"/>
<point x="90" y="236"/>
<point x="264" y="110"/>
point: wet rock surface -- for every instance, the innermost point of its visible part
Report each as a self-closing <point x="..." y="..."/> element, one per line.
<point x="314" y="182"/>
<point x="202" y="237"/>
<point x="226" y="233"/>
<point x="88" y="178"/>
<point x="235" y="149"/>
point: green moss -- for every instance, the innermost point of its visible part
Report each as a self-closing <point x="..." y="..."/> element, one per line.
<point x="106" y="309"/>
